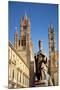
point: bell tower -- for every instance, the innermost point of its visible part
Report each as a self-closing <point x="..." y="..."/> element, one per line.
<point x="52" y="50"/>
<point x="24" y="32"/>
<point x="25" y="45"/>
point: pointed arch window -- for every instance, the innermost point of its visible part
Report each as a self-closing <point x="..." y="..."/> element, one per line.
<point x="19" y="42"/>
<point x="22" y="42"/>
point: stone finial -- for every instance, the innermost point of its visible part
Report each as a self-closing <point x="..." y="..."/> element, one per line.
<point x="40" y="44"/>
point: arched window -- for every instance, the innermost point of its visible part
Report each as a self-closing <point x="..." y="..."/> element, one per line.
<point x="22" y="43"/>
<point x="19" y="42"/>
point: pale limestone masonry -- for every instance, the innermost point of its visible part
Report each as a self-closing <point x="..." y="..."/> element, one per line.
<point x="20" y="56"/>
<point x="18" y="69"/>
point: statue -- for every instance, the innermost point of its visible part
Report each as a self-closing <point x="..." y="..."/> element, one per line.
<point x="41" y="64"/>
<point x="42" y="69"/>
<point x="39" y="67"/>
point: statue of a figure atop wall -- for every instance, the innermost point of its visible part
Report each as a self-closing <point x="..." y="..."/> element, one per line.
<point x="41" y="64"/>
<point x="39" y="67"/>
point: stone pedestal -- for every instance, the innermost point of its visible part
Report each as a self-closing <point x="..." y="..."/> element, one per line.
<point x="41" y="83"/>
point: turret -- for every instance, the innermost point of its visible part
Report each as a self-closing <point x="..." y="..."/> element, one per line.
<point x="16" y="39"/>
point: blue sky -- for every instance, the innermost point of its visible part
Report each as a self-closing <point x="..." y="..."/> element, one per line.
<point x="41" y="16"/>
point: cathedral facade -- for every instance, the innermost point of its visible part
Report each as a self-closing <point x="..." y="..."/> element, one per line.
<point x="21" y="56"/>
<point x="27" y="69"/>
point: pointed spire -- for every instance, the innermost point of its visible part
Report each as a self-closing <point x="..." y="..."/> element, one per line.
<point x="16" y="31"/>
<point x="51" y="24"/>
<point x="25" y="14"/>
<point x="16" y="38"/>
<point x="21" y="19"/>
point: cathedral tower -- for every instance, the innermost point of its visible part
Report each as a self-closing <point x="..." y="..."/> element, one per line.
<point x="24" y="44"/>
<point x="52" y="65"/>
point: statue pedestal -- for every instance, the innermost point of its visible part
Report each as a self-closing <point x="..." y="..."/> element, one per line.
<point x="41" y="83"/>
